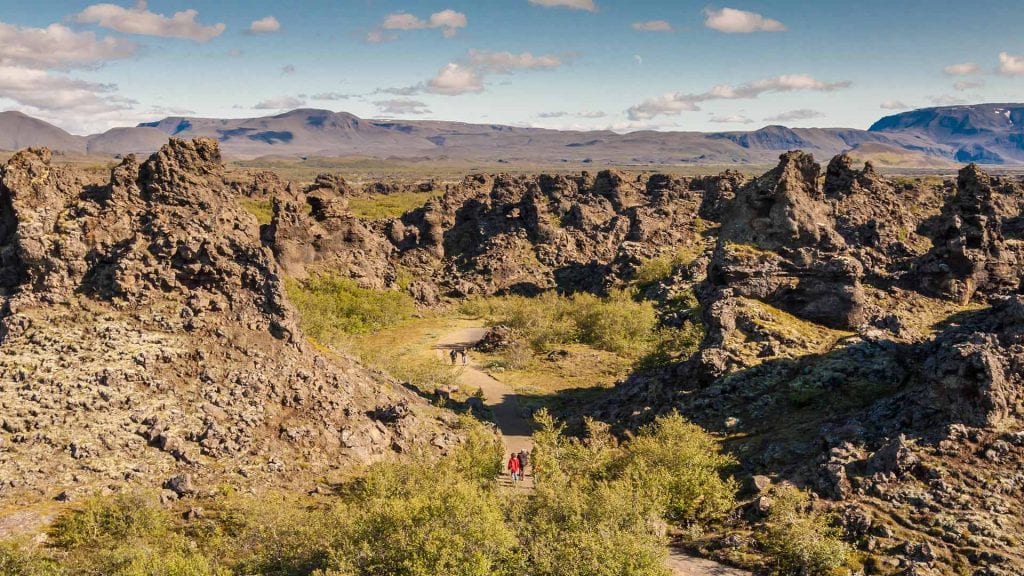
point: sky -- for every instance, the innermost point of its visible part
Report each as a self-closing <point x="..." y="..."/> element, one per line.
<point x="570" y="64"/>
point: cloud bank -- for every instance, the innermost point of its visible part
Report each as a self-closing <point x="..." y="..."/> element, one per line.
<point x="676" y="103"/>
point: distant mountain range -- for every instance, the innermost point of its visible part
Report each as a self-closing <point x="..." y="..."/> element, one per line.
<point x="984" y="133"/>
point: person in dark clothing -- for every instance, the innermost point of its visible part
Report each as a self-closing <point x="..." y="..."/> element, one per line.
<point x="453" y="355"/>
<point x="524" y="459"/>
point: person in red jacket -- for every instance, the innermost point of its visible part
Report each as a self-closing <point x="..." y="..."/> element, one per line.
<point x="513" y="467"/>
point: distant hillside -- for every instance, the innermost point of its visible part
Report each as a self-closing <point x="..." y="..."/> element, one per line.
<point x="985" y="133"/>
<point x="19" y="131"/>
<point x="982" y="133"/>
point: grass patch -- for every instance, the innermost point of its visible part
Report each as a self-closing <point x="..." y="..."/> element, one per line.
<point x="383" y="207"/>
<point x="263" y="210"/>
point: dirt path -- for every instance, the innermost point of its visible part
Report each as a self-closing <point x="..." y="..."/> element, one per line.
<point x="515" y="429"/>
<point x="500" y="398"/>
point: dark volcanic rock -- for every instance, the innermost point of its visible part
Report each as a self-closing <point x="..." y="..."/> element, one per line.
<point x="970" y="254"/>
<point x="778" y="245"/>
<point x="975" y="371"/>
<point x="159" y="336"/>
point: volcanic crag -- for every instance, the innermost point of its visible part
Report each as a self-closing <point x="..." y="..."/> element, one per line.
<point x="146" y="340"/>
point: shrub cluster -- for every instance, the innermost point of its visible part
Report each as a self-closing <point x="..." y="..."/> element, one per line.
<point x="801" y="540"/>
<point x="597" y="510"/>
<point x="617" y="323"/>
<point x="331" y="307"/>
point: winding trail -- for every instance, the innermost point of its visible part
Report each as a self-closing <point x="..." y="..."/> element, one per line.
<point x="515" y="429"/>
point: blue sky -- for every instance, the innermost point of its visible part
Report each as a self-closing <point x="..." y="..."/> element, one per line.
<point x="592" y="64"/>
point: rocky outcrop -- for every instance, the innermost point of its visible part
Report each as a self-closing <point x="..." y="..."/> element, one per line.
<point x="525" y="234"/>
<point x="322" y="235"/>
<point x="145" y="333"/>
<point x="970" y="254"/>
<point x="975" y="371"/>
<point x="778" y="245"/>
<point x="872" y="217"/>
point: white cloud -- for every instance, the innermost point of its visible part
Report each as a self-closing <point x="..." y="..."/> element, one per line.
<point x="57" y="46"/>
<point x="280" y="103"/>
<point x="638" y="59"/>
<point x="964" y="85"/>
<point x="678" y="102"/>
<point x="962" y="69"/>
<point x="330" y="96"/>
<point x="505" y="62"/>
<point x="264" y="25"/>
<point x="894" y="105"/>
<point x="946" y="100"/>
<point x="449" y="21"/>
<point x="731" y="119"/>
<point x="139" y="20"/>
<point x="585" y="114"/>
<point x="380" y="36"/>
<point x="172" y="111"/>
<point x="76" y="105"/>
<point x="653" y="26"/>
<point x="587" y="5"/>
<point x="46" y="90"/>
<point x="1011" y="65"/>
<point x="30" y="81"/>
<point x="455" y="79"/>
<point x="732" y="21"/>
<point x="399" y="106"/>
<point x="288" y="70"/>
<point x="801" y="114"/>
<point x="467" y="76"/>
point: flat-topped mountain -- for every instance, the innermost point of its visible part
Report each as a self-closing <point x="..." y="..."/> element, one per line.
<point x="985" y="133"/>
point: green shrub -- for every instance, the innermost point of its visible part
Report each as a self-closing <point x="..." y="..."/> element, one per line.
<point x="583" y="518"/>
<point x="659" y="268"/>
<point x="653" y="271"/>
<point x="422" y="518"/>
<point x="127" y="535"/>
<point x="18" y="560"/>
<point x="799" y="539"/>
<point x="331" y="307"/>
<point x="616" y="324"/>
<point x="100" y="522"/>
<point x="679" y="465"/>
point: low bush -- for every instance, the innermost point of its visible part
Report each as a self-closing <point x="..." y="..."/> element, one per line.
<point x="617" y="323"/>
<point x="801" y="540"/>
<point x="596" y="510"/>
<point x="680" y="466"/>
<point x="331" y="307"/>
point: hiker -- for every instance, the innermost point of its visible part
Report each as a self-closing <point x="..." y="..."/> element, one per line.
<point x="465" y="357"/>
<point x="524" y="460"/>
<point x="453" y="355"/>
<point x="513" y="467"/>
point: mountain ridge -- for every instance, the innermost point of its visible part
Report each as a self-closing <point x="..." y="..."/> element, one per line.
<point x="983" y="133"/>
